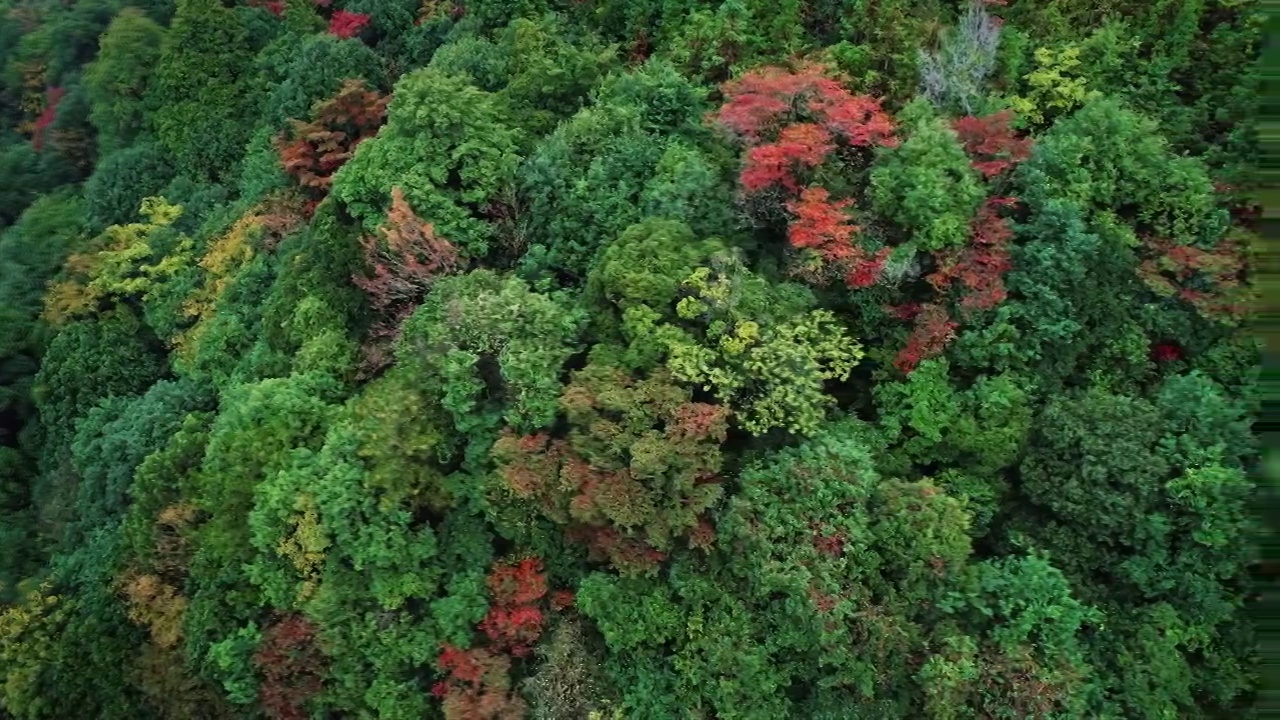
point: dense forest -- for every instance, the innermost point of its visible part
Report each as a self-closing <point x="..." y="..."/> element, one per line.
<point x="605" y="359"/>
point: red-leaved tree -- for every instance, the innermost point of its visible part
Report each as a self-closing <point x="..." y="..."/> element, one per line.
<point x="346" y="24"/>
<point x="514" y="621"/>
<point x="1211" y="281"/>
<point x="991" y="142"/>
<point x="822" y="227"/>
<point x="792" y="120"/>
<point x="979" y="267"/>
<point x="313" y="151"/>
<point x="404" y="259"/>
<point x="292" y="668"/>
<point x="799" y="125"/>
<point x="477" y="685"/>
<point x="934" y="328"/>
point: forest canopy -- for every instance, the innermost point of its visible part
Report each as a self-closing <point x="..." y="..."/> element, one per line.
<point x="609" y="359"/>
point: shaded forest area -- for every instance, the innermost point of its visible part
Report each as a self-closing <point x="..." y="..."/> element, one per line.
<point x="608" y="359"/>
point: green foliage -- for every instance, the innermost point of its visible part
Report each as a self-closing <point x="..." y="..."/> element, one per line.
<point x="492" y="349"/>
<point x="620" y="422"/>
<point x="1115" y="165"/>
<point x="1054" y="87"/>
<point x="87" y="362"/>
<point x="448" y="146"/>
<point x="117" y="80"/>
<point x="541" y="75"/>
<point x="759" y="348"/>
<point x="121" y="181"/>
<point x="982" y="429"/>
<point x="1139" y="511"/>
<point x="113" y="439"/>
<point x="200" y="100"/>
<point x="404" y="439"/>
<point x="296" y="74"/>
<point x="31" y="252"/>
<point x="1074" y="318"/>
<point x="633" y="153"/>
<point x="773" y="375"/>
<point x="926" y="185"/>
<point x="28" y="644"/>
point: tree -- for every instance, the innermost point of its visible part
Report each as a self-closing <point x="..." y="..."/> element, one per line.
<point x="314" y="151"/>
<point x="926" y="185"/>
<point x="447" y="146"/>
<point x="120" y="182"/>
<point x="199" y="100"/>
<point x="117" y="80"/>
<point x="637" y="472"/>
<point x="493" y="350"/>
<point x="634" y="153"/>
<point x="405" y="261"/>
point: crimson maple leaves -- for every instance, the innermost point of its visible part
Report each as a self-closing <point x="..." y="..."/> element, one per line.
<point x="477" y="681"/>
<point x="791" y="123"/>
<point x="312" y="152"/>
<point x="800" y="128"/>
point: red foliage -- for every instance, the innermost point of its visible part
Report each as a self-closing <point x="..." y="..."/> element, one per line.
<point x="514" y="621"/>
<point x="980" y="266"/>
<point x="697" y="421"/>
<point x="513" y="629"/>
<point x="823" y="226"/>
<point x="518" y="584"/>
<point x="275" y="7"/>
<point x="347" y="24"/>
<point x="933" y="330"/>
<point x="703" y="536"/>
<point x="805" y="112"/>
<point x="802" y="144"/>
<point x="991" y="142"/>
<point x="823" y="603"/>
<point x="759" y="101"/>
<point x="478" y="686"/>
<point x="641" y="48"/>
<point x="313" y="151"/>
<point x="403" y="264"/>
<point x="1210" y="280"/>
<point x="1166" y="351"/>
<point x="292" y="667"/>
<point x="53" y="96"/>
<point x="408" y="259"/>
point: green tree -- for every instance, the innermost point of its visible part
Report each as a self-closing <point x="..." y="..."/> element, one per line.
<point x="926" y="185"/>
<point x="448" y="146"/>
<point x="200" y="98"/>
<point x="117" y="80"/>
